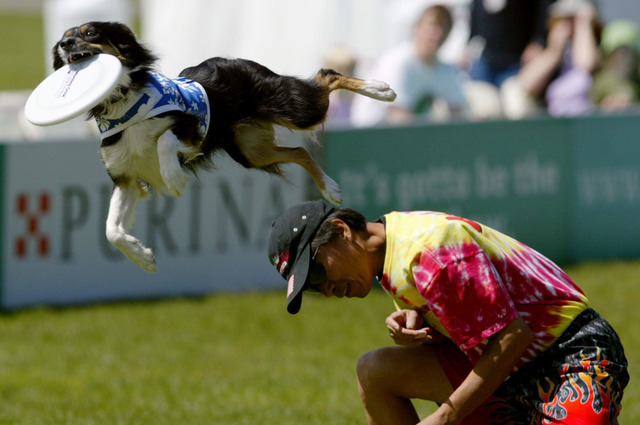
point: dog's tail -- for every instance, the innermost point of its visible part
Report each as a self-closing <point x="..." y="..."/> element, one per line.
<point x="333" y="80"/>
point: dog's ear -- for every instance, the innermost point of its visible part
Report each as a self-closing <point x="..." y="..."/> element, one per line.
<point x="125" y="40"/>
<point x="57" y="60"/>
<point x="121" y="35"/>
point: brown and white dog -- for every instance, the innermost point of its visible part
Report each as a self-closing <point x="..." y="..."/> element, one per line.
<point x="155" y="129"/>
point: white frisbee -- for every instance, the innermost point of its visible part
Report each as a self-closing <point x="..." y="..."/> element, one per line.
<point x="73" y="90"/>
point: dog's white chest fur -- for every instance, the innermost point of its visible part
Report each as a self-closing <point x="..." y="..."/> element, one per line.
<point x="135" y="155"/>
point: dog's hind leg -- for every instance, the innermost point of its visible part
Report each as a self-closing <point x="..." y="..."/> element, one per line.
<point x="329" y="189"/>
<point x="122" y="209"/>
<point x="256" y="143"/>
<point x="371" y="88"/>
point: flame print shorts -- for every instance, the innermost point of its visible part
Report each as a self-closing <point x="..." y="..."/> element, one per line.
<point x="579" y="380"/>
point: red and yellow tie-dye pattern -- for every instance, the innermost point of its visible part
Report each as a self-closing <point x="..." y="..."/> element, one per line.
<point x="470" y="281"/>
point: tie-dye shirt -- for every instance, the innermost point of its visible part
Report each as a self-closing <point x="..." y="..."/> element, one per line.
<point x="470" y="281"/>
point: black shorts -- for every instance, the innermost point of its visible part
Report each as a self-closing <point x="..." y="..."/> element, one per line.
<point x="578" y="380"/>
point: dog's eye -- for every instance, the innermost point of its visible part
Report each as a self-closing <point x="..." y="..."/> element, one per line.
<point x="91" y="33"/>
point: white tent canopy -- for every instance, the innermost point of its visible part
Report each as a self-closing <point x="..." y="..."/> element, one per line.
<point x="288" y="36"/>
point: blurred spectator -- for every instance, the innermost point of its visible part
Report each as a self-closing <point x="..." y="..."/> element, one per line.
<point x="341" y="59"/>
<point x="616" y="86"/>
<point x="562" y="73"/>
<point x="504" y="34"/>
<point x="426" y="87"/>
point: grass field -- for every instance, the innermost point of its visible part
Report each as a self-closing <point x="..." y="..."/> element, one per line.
<point x="227" y="359"/>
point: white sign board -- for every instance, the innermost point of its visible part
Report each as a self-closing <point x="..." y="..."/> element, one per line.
<point x="56" y="197"/>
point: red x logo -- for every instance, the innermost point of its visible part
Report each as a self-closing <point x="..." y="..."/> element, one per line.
<point x="32" y="230"/>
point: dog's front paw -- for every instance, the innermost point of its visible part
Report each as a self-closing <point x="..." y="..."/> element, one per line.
<point x="133" y="250"/>
<point x="144" y="258"/>
<point x="175" y="181"/>
<point x="378" y="90"/>
<point x="331" y="191"/>
<point x="148" y="262"/>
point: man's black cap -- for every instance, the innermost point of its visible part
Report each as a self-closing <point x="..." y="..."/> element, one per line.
<point x="290" y="246"/>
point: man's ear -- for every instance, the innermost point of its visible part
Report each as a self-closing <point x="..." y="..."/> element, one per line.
<point x="342" y="230"/>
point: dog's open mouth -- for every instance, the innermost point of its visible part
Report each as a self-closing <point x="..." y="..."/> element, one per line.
<point x="78" y="56"/>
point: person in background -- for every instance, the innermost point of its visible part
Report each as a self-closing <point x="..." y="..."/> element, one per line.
<point x="616" y="86"/>
<point x="340" y="59"/>
<point x="488" y="328"/>
<point x="426" y="87"/>
<point x="563" y="73"/>
<point x="504" y="35"/>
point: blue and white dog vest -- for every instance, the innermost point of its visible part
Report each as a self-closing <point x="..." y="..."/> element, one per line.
<point x="160" y="95"/>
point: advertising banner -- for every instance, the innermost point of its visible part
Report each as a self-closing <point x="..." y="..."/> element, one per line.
<point x="569" y="188"/>
<point x="511" y="176"/>
<point x="212" y="239"/>
<point x="606" y="162"/>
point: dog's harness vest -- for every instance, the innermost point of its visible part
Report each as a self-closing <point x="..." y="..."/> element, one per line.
<point x="160" y="95"/>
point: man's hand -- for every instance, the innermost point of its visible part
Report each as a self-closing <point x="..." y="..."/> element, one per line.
<point x="406" y="328"/>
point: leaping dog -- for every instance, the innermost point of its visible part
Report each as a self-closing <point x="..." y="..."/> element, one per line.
<point x="155" y="130"/>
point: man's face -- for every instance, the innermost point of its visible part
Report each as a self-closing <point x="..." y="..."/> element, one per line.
<point x="348" y="271"/>
<point x="429" y="36"/>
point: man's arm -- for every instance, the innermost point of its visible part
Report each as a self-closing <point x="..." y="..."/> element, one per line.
<point x="494" y="366"/>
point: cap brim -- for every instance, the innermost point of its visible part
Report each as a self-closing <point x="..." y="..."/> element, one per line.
<point x="297" y="278"/>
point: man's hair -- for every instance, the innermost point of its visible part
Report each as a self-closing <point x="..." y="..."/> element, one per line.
<point x="352" y="218"/>
<point x="443" y="16"/>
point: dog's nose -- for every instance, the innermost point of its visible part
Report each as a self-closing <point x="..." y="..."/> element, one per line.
<point x="67" y="43"/>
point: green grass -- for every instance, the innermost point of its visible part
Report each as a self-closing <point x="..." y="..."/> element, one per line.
<point x="227" y="359"/>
